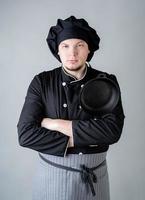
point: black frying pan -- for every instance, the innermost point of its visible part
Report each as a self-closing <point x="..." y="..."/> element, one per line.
<point x="99" y="95"/>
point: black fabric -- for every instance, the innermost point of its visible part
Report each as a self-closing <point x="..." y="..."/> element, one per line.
<point x="88" y="149"/>
<point x="45" y="98"/>
<point x="72" y="28"/>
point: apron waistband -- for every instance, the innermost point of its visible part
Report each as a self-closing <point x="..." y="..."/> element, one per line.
<point x="87" y="175"/>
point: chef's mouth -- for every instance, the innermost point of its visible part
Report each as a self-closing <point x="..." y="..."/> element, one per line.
<point x="72" y="61"/>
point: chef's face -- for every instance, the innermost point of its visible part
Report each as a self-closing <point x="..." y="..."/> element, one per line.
<point x="73" y="53"/>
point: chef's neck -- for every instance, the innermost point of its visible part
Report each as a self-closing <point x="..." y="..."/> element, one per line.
<point x="76" y="73"/>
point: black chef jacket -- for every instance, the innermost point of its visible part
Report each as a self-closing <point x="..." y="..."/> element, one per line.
<point x="55" y="94"/>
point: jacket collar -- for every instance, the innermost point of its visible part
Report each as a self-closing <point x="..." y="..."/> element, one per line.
<point x="70" y="78"/>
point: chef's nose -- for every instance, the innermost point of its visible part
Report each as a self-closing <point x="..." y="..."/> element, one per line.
<point x="73" y="51"/>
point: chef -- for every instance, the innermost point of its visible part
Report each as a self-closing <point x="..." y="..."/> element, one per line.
<point x="71" y="142"/>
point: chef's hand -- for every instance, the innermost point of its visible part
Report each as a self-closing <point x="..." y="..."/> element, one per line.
<point x="63" y="126"/>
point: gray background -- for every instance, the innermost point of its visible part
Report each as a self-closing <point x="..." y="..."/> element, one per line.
<point x="23" y="53"/>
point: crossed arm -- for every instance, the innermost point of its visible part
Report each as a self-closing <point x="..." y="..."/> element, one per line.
<point x="63" y="126"/>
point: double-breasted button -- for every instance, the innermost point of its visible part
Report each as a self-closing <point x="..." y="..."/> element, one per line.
<point x="65" y="105"/>
<point x="64" y="83"/>
<point x="80" y="107"/>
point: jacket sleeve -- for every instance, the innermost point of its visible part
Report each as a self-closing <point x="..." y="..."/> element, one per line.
<point x="102" y="130"/>
<point x="30" y="132"/>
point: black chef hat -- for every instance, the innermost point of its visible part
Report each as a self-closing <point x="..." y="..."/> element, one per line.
<point x="72" y="28"/>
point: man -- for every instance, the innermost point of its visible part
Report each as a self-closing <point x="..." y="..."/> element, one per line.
<point x="72" y="143"/>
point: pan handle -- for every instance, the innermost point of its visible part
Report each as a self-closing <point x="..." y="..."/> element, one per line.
<point x="102" y="75"/>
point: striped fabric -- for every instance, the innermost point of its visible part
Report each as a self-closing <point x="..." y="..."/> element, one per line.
<point x="51" y="183"/>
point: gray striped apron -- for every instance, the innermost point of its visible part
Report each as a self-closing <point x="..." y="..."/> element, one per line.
<point x="74" y="177"/>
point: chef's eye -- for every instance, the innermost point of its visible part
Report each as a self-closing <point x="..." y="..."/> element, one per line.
<point x="80" y="45"/>
<point x="65" y="46"/>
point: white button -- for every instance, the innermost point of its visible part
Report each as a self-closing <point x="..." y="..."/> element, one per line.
<point x="64" y="105"/>
<point x="80" y="107"/>
<point x="80" y="153"/>
<point x="64" y="83"/>
<point x="82" y="85"/>
<point x="95" y="118"/>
